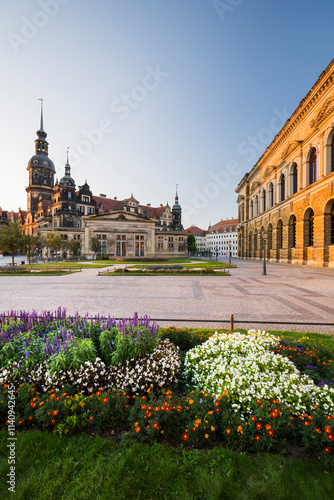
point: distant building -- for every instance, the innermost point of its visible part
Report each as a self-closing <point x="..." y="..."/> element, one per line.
<point x="219" y="240"/>
<point x="125" y="228"/>
<point x="222" y="238"/>
<point x="199" y="238"/>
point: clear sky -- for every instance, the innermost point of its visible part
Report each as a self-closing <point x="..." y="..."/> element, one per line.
<point x="153" y="93"/>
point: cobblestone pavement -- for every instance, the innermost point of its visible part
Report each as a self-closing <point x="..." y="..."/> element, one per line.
<point x="287" y="294"/>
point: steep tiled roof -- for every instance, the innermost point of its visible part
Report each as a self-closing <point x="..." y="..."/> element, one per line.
<point x="108" y="203"/>
<point x="196" y="231"/>
<point x="228" y="224"/>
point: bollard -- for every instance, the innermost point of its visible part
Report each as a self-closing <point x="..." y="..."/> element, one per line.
<point x="232" y="322"/>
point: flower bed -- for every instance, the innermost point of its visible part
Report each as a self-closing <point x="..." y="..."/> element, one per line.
<point x="245" y="369"/>
<point x="73" y="373"/>
<point x="162" y="270"/>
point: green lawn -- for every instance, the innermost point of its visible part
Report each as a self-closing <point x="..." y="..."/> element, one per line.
<point x="87" y="467"/>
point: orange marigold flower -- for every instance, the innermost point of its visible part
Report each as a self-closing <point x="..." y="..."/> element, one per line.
<point x="206" y="436"/>
<point x="268" y="426"/>
<point x="307" y="422"/>
<point x="253" y="418"/>
<point x="273" y="414"/>
<point x="212" y="428"/>
<point x="271" y="433"/>
<point x="210" y="412"/>
<point x="257" y="438"/>
<point x="91" y="418"/>
<point x="317" y="430"/>
<point x="185" y="436"/>
<point x="41" y="403"/>
<point x="261" y="406"/>
<point x="228" y="431"/>
<point x="258" y="425"/>
<point x="330" y="437"/>
<point x="137" y="429"/>
<point x="328" y="429"/>
<point x="21" y="421"/>
<point x="327" y="449"/>
<point x="191" y="401"/>
<point x="53" y="421"/>
<point x="135" y="424"/>
<point x="104" y="400"/>
<point x="31" y="417"/>
<point x="258" y="401"/>
<point x="54" y="413"/>
<point x="239" y="428"/>
<point x="143" y="406"/>
<point x="217" y="403"/>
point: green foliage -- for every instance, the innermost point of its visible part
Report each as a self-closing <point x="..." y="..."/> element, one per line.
<point x="95" y="245"/>
<point x="185" y="338"/>
<point x="192" y="248"/>
<point x="12" y="238"/>
<point x="132" y="344"/>
<point x="73" y="355"/>
<point x="55" y="241"/>
<point x="106" y="341"/>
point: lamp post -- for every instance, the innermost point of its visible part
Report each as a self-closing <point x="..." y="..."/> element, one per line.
<point x="229" y="253"/>
<point x="264" y="237"/>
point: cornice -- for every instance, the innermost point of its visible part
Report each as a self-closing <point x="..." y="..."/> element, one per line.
<point x="301" y="111"/>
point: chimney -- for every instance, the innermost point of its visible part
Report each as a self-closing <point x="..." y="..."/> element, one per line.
<point x="161" y="204"/>
<point x="115" y="197"/>
<point x="148" y="205"/>
<point x="103" y="195"/>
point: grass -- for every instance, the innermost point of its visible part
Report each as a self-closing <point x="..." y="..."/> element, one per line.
<point x="85" y="467"/>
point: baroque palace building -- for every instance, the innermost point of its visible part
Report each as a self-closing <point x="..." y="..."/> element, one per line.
<point x="289" y="191"/>
<point x="125" y="228"/>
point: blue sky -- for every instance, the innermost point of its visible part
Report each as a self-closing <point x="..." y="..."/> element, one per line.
<point x="150" y="93"/>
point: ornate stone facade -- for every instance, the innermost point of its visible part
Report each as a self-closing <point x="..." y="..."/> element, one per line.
<point x="125" y="228"/>
<point x="289" y="192"/>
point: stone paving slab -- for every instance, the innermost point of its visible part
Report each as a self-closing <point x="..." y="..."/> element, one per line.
<point x="287" y="294"/>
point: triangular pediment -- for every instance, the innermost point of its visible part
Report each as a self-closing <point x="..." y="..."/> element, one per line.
<point x="290" y="147"/>
<point x="119" y="215"/>
<point x="326" y="110"/>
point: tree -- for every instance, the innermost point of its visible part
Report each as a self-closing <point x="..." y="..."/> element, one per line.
<point x="95" y="245"/>
<point x="192" y="248"/>
<point x="73" y="246"/>
<point x="55" y="241"/>
<point x="12" y="238"/>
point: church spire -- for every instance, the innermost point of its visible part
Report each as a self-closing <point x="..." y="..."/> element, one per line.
<point x="67" y="166"/>
<point x="41" y="127"/>
<point x="41" y="143"/>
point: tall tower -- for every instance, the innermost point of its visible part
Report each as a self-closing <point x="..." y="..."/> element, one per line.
<point x="177" y="214"/>
<point x="41" y="171"/>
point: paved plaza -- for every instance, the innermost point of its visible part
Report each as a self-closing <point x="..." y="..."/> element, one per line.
<point x="287" y="294"/>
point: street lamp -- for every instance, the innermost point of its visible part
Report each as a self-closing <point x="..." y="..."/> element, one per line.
<point x="264" y="237"/>
<point x="229" y="253"/>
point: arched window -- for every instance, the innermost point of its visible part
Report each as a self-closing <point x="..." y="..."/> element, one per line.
<point x="270" y="195"/>
<point x="270" y="237"/>
<point x="279" y="234"/>
<point x="264" y="208"/>
<point x="294" y="178"/>
<point x="256" y="205"/>
<point x="310" y="229"/>
<point x="313" y="166"/>
<point x="292" y="231"/>
<point x="281" y="185"/>
<point x="250" y="242"/>
<point x="255" y="240"/>
<point x="251" y="210"/>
